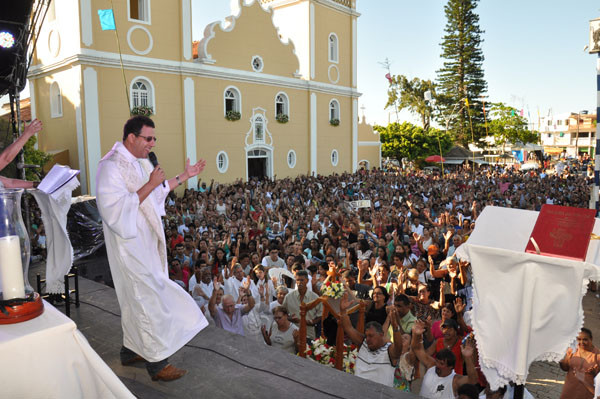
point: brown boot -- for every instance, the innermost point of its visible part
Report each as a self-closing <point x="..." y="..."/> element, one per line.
<point x="169" y="373"/>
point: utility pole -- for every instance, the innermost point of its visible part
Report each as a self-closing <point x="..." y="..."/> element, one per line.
<point x="387" y="66"/>
<point x="594" y="48"/>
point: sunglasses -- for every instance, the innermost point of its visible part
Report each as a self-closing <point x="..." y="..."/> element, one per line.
<point x="149" y="138"/>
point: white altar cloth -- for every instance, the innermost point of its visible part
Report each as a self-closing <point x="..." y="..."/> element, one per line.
<point x="55" y="208"/>
<point x="47" y="357"/>
<point x="526" y="307"/>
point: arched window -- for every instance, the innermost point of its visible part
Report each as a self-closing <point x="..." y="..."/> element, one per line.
<point x="259" y="129"/>
<point x="282" y="104"/>
<point x="333" y="54"/>
<point x="334" y="110"/>
<point x="222" y="161"/>
<point x="139" y="10"/>
<point x="142" y="93"/>
<point x="55" y="100"/>
<point x="232" y="100"/>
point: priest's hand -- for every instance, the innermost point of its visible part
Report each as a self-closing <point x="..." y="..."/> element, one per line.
<point x="195" y="169"/>
<point x="157" y="177"/>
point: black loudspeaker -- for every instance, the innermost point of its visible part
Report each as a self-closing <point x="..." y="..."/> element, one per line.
<point x="15" y="22"/>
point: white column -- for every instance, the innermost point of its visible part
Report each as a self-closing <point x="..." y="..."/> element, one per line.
<point x="190" y="126"/>
<point x="83" y="175"/>
<point x="186" y="18"/>
<point x="32" y="107"/>
<point x="32" y="99"/>
<point x="312" y="41"/>
<point x="313" y="133"/>
<point x="85" y="9"/>
<point x="92" y="124"/>
<point x="354" y="134"/>
<point x="354" y="55"/>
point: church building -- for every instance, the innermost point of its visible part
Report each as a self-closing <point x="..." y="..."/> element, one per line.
<point x="271" y="91"/>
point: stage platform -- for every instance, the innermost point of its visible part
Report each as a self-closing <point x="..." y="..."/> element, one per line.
<point x="219" y="364"/>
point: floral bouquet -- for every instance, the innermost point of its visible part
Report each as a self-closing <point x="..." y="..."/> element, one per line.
<point x="333" y="289"/>
<point x="322" y="353"/>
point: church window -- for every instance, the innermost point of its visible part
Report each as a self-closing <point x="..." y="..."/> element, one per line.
<point x="233" y="101"/>
<point x="333" y="54"/>
<point x="282" y="105"/>
<point x="55" y="101"/>
<point x="139" y="10"/>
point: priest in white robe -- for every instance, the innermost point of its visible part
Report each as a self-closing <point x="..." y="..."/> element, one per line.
<point x="157" y="316"/>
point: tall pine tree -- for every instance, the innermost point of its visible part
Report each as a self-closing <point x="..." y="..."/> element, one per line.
<point x="462" y="76"/>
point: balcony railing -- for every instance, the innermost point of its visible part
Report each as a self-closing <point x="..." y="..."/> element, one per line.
<point x="345" y="3"/>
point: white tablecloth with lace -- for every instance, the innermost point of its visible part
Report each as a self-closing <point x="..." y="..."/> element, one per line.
<point x="526" y="307"/>
<point x="47" y="357"/>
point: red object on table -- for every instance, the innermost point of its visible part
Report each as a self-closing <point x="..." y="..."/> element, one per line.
<point x="20" y="312"/>
<point x="562" y="232"/>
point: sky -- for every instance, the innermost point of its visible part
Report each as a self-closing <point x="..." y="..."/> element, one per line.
<point x="534" y="57"/>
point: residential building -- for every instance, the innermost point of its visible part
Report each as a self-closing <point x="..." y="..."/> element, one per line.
<point x="572" y="133"/>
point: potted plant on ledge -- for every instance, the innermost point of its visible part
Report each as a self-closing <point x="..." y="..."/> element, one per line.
<point x="282" y="118"/>
<point x="144" y="110"/>
<point x="233" y="115"/>
<point x="334" y="122"/>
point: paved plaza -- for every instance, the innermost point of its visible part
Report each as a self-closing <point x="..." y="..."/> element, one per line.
<point x="546" y="379"/>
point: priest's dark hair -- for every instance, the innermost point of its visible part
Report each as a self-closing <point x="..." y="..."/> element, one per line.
<point x="135" y="124"/>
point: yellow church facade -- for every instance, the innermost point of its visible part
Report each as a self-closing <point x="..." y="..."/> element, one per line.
<point x="271" y="91"/>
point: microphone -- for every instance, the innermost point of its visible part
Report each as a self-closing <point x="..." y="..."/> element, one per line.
<point x="154" y="162"/>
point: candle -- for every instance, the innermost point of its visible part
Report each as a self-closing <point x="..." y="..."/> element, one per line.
<point x="11" y="268"/>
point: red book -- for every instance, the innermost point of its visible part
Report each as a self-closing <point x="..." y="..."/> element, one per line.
<point x="562" y="232"/>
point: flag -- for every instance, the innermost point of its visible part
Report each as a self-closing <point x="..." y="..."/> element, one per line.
<point x="521" y="114"/>
<point x="512" y="112"/>
<point x="107" y="19"/>
<point x="389" y="77"/>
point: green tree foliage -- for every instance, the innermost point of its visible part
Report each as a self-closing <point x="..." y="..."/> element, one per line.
<point x="462" y="74"/>
<point x="507" y="126"/>
<point x="32" y="156"/>
<point x="410" y="94"/>
<point x="410" y="141"/>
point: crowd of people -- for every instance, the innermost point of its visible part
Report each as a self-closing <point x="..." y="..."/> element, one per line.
<point x="250" y="252"/>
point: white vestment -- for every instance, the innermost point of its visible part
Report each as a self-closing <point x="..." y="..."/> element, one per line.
<point x="157" y="316"/>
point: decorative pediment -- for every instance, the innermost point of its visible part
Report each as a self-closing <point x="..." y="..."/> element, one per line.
<point x="259" y="134"/>
<point x="236" y="42"/>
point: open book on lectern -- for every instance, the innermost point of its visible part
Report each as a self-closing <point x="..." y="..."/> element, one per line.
<point x="58" y="176"/>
